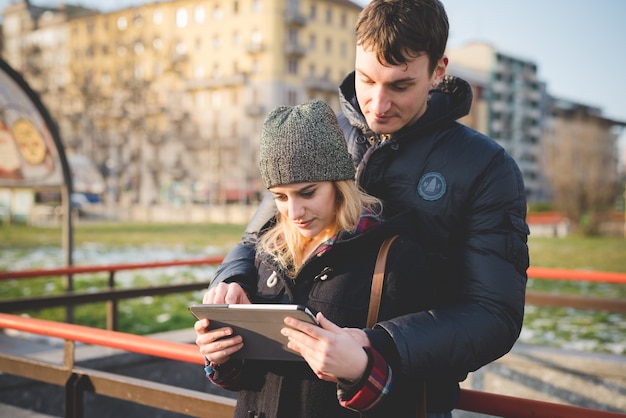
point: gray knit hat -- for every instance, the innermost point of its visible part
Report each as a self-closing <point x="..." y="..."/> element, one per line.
<point x="303" y="144"/>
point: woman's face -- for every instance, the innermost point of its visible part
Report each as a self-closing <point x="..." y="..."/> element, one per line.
<point x="311" y="207"/>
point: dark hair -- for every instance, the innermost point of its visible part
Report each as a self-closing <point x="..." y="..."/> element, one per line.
<point x="401" y="29"/>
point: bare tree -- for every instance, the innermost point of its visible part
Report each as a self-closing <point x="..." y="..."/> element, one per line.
<point x="580" y="163"/>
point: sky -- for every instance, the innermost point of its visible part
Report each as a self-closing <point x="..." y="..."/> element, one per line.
<point x="578" y="45"/>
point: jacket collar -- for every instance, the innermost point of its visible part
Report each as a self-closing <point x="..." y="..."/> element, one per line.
<point x="449" y="101"/>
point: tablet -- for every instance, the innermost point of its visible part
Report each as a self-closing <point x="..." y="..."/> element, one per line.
<point x="258" y="324"/>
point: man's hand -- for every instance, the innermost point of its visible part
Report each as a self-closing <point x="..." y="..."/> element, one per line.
<point x="226" y="293"/>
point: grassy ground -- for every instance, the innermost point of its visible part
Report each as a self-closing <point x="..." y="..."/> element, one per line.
<point x="121" y="234"/>
<point x="560" y="327"/>
<point x="595" y="253"/>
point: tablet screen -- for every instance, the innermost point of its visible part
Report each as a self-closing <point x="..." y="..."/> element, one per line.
<point x="258" y="324"/>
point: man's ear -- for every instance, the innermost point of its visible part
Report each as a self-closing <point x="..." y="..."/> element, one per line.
<point x="440" y="69"/>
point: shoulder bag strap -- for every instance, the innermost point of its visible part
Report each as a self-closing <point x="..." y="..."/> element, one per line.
<point x="377" y="281"/>
<point x="372" y="314"/>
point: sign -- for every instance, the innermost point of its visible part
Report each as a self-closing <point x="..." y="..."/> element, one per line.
<point x="30" y="151"/>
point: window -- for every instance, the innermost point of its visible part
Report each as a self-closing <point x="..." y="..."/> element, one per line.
<point x="199" y="14"/>
<point x="198" y="72"/>
<point x="122" y="23"/>
<point x="256" y="66"/>
<point x="138" y="20"/>
<point x="138" y="47"/>
<point x="216" y="100"/>
<point x="256" y="6"/>
<point x="292" y="98"/>
<point x="313" y="12"/>
<point x="157" y="16"/>
<point x="181" y="17"/>
<point x="312" y="42"/>
<point x="292" y="66"/>
<point x="329" y="16"/>
<point x="216" y="41"/>
<point x="181" y="49"/>
<point x="157" y="44"/>
<point x="138" y="72"/>
<point x="236" y="38"/>
<point x="256" y="37"/>
<point x="158" y="69"/>
<point x="218" y="14"/>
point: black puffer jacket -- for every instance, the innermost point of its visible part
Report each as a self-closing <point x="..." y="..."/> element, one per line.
<point x="468" y="201"/>
<point x="469" y="207"/>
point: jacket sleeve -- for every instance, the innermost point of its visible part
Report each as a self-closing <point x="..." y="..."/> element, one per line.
<point x="484" y="317"/>
<point x="238" y="265"/>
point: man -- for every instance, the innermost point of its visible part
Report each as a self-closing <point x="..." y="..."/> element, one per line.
<point x="465" y="192"/>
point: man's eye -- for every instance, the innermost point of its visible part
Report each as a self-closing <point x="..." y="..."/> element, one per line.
<point x="280" y="198"/>
<point x="308" y="195"/>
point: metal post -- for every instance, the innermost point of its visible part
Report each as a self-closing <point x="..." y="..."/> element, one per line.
<point x="68" y="246"/>
<point x="112" y="316"/>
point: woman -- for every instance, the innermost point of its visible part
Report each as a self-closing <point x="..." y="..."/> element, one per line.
<point x="320" y="252"/>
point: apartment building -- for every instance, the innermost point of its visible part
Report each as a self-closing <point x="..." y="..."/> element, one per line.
<point x="513" y="96"/>
<point x="168" y="98"/>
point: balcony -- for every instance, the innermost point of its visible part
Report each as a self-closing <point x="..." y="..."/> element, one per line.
<point x="294" y="18"/>
<point x="293" y="48"/>
<point x="218" y="82"/>
<point x="320" y="84"/>
<point x="254" y="48"/>
<point x="254" y="110"/>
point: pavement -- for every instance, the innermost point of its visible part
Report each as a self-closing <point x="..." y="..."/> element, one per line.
<point x="589" y="380"/>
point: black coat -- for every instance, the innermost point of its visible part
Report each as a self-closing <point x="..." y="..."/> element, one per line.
<point x="469" y="207"/>
<point x="337" y="283"/>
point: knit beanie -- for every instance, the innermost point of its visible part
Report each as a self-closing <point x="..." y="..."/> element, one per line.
<point x="302" y="144"/>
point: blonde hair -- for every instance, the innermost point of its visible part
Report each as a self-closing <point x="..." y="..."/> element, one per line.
<point x="285" y="243"/>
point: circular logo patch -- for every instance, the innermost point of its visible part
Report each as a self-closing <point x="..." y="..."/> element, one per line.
<point x="432" y="186"/>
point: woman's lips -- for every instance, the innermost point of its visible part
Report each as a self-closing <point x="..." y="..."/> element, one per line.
<point x="303" y="224"/>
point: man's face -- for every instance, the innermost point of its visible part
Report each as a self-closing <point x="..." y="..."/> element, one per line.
<point x="393" y="96"/>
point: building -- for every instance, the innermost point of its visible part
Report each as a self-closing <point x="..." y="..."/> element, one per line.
<point x="512" y="96"/>
<point x="168" y="98"/>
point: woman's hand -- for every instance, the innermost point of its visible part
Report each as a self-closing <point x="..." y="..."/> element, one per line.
<point x="226" y="293"/>
<point x="332" y="352"/>
<point x="213" y="344"/>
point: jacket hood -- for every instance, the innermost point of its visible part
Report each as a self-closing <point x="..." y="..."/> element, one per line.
<point x="449" y="101"/>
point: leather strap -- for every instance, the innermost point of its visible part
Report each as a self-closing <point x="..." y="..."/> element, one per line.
<point x="372" y="315"/>
<point x="377" y="281"/>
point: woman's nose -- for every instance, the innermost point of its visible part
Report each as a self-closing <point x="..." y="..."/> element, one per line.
<point x="296" y="209"/>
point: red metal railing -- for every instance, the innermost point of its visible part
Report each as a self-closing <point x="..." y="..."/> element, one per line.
<point x="534" y="272"/>
<point x="470" y="400"/>
<point x="578" y="275"/>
